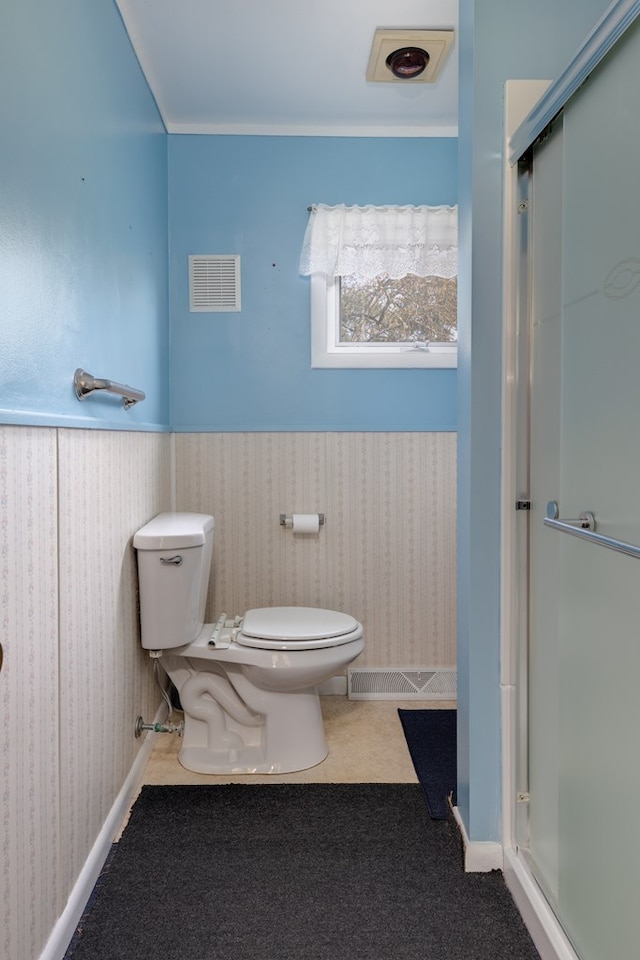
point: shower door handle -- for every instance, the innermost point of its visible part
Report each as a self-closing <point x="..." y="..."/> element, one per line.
<point x="584" y="527"/>
<point x="586" y="520"/>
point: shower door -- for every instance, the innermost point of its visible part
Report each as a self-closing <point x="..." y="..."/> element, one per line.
<point x="584" y="597"/>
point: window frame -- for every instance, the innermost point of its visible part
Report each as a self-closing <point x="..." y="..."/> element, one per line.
<point x="326" y="352"/>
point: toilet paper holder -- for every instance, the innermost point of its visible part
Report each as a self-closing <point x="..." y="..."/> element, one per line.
<point x="287" y="521"/>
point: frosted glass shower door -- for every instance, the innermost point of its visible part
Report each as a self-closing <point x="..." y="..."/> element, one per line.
<point x="584" y="643"/>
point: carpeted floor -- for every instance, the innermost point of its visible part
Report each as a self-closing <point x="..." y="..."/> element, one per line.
<point x="295" y="872"/>
<point x="431" y="739"/>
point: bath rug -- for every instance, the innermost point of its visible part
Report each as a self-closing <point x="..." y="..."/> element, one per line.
<point x="431" y="738"/>
<point x="295" y="872"/>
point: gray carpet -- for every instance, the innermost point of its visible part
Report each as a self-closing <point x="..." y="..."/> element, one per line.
<point x="295" y="872"/>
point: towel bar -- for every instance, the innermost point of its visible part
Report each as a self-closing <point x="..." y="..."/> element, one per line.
<point x="84" y="385"/>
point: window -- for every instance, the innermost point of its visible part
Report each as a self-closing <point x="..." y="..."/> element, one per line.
<point x="383" y="286"/>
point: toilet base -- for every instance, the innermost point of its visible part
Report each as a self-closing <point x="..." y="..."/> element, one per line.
<point x="287" y="735"/>
<point x="247" y="760"/>
<point x="252" y="711"/>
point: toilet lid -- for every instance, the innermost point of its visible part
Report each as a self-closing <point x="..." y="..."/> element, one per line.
<point x="297" y="628"/>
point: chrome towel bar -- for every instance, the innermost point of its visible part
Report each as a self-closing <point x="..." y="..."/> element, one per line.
<point x="84" y="385"/>
<point x="584" y="527"/>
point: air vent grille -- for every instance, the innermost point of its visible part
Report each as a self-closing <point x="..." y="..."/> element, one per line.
<point x="400" y="683"/>
<point x="214" y="283"/>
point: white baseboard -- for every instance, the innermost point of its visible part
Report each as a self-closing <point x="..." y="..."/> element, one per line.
<point x="67" y="923"/>
<point x="334" y="687"/>
<point x="548" y="936"/>
<point x="480" y="856"/>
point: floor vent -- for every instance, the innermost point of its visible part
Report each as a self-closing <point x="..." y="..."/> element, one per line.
<point x="401" y="683"/>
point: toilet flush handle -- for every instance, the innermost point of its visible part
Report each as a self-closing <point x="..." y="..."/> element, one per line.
<point x="176" y="561"/>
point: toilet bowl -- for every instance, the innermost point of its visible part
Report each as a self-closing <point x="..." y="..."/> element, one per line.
<point x="247" y="684"/>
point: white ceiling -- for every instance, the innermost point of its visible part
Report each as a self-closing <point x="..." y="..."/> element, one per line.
<point x="288" y="66"/>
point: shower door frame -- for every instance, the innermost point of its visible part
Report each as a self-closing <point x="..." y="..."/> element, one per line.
<point x="522" y="133"/>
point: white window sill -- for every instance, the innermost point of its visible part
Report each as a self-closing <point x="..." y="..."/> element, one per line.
<point x="411" y="359"/>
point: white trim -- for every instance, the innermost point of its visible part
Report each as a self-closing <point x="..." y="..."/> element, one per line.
<point x="333" y="687"/>
<point x="324" y="353"/>
<point x="509" y="734"/>
<point x="310" y="130"/>
<point x="548" y="936"/>
<point x="519" y="96"/>
<point x="607" y="31"/>
<point x="67" y="923"/>
<point x="480" y="856"/>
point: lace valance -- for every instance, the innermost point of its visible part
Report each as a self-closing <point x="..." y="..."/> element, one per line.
<point x="369" y="241"/>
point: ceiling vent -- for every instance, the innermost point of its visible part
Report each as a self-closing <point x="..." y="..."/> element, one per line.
<point x="408" y="56"/>
<point x="214" y="283"/>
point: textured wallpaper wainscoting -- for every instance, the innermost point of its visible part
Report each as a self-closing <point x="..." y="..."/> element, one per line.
<point x="74" y="676"/>
<point x="386" y="553"/>
<point x="31" y="894"/>
<point x="110" y="484"/>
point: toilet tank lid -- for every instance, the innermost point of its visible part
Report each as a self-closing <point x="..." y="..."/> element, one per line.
<point x="172" y="530"/>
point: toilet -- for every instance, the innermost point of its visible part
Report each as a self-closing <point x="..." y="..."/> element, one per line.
<point x="247" y="684"/>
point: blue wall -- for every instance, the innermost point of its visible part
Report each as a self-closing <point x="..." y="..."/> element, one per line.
<point x="249" y="196"/>
<point x="83" y="207"/>
<point x="498" y="41"/>
<point x="83" y="249"/>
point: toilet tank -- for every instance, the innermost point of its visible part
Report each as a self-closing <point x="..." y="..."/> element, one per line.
<point x="174" y="561"/>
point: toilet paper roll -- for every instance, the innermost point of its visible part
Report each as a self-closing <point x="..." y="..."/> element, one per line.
<point x="305" y="522"/>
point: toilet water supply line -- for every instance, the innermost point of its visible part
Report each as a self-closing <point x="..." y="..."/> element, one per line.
<point x="224" y="699"/>
<point x="158" y="727"/>
<point x="168" y="727"/>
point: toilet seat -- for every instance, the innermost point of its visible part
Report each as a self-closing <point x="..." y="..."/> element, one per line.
<point x="297" y="628"/>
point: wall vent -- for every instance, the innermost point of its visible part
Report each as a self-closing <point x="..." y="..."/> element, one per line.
<point x="214" y="283"/>
<point x="401" y="683"/>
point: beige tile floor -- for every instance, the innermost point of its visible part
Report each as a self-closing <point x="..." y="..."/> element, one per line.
<point x="365" y="739"/>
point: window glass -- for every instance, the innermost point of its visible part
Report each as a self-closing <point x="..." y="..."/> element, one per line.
<point x="409" y="309"/>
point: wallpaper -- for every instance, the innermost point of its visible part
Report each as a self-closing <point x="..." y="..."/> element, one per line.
<point x="386" y="553"/>
<point x="110" y="484"/>
<point x="30" y="892"/>
<point x="74" y="677"/>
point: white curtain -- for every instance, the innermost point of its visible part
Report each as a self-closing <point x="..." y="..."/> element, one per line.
<point x="368" y="241"/>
